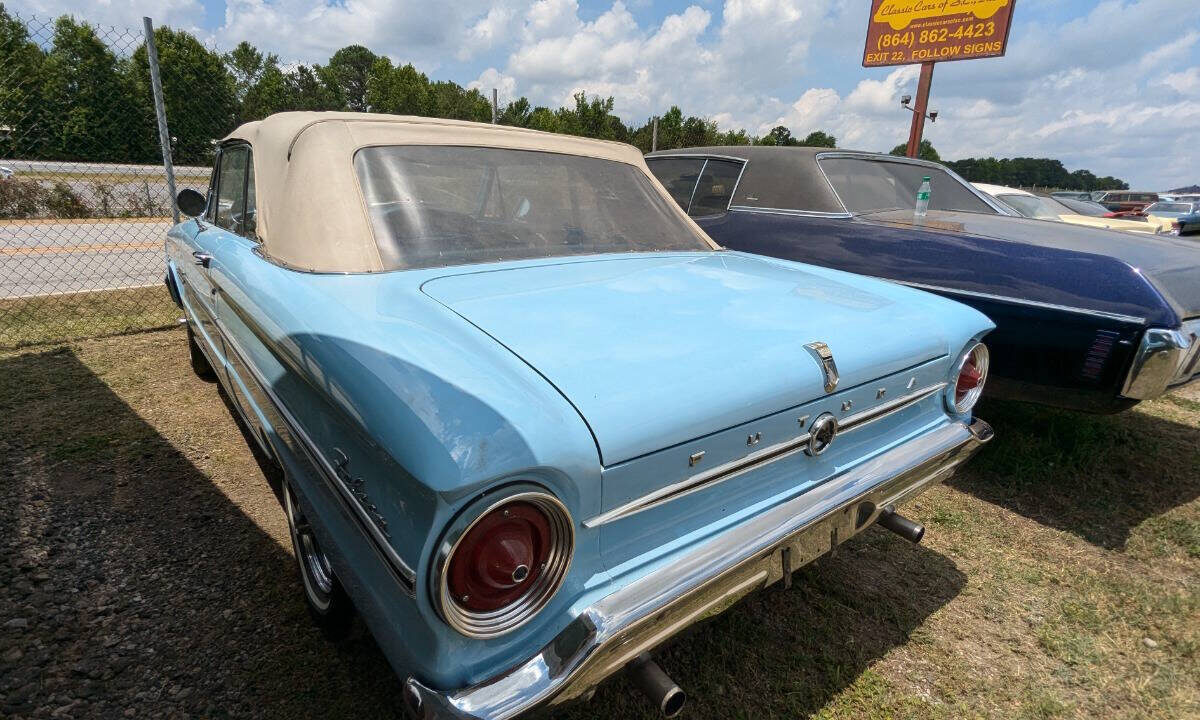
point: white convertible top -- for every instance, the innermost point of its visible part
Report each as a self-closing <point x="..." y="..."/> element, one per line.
<point x="310" y="213"/>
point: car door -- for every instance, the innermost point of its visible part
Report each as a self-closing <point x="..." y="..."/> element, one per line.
<point x="235" y="264"/>
<point x="192" y="265"/>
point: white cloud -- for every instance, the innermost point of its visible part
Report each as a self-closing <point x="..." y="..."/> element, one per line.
<point x="879" y="96"/>
<point x="1186" y="82"/>
<point x="505" y="85"/>
<point x="426" y="34"/>
<point x="122" y="14"/>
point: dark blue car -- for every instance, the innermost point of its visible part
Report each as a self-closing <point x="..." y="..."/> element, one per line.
<point x="1085" y="318"/>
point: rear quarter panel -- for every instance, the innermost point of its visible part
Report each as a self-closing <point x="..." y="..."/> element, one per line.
<point x="428" y="415"/>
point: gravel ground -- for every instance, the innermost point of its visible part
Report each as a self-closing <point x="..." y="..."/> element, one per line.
<point x="145" y="571"/>
<point x="140" y="574"/>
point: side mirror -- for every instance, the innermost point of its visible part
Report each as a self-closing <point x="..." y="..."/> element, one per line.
<point x="192" y="203"/>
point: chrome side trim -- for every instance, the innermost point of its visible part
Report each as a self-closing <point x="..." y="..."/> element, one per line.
<point x="861" y="418"/>
<point x="1020" y="301"/>
<point x="691" y="198"/>
<point x="705" y="579"/>
<point x="668" y="155"/>
<point x="700" y="481"/>
<point x="785" y="211"/>
<point x="401" y="568"/>
<point x="754" y="460"/>
<point x="736" y="184"/>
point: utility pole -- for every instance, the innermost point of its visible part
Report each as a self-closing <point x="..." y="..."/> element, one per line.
<point x="654" y="135"/>
<point x="495" y="103"/>
<point x="918" y="121"/>
<point x="160" y="110"/>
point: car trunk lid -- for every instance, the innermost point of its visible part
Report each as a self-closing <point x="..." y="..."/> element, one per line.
<point x="655" y="350"/>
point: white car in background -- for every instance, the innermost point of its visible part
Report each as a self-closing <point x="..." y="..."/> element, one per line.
<point x="1040" y="207"/>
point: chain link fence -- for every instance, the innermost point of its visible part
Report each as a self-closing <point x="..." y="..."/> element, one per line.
<point x="84" y="205"/>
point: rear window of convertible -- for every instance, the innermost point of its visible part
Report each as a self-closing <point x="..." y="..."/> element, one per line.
<point x="447" y="205"/>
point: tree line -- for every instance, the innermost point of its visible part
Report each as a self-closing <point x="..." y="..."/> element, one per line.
<point x="1033" y="172"/>
<point x="77" y="97"/>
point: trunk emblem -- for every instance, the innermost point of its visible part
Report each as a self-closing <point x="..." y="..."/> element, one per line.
<point x="824" y="356"/>
<point x="820" y="436"/>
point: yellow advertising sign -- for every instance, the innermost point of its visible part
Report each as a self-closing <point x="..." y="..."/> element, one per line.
<point x="901" y="13"/>
<point x="901" y="32"/>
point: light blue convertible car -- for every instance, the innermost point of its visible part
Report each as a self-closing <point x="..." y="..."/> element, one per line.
<point x="532" y="421"/>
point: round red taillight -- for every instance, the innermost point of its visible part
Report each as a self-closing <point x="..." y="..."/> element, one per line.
<point x="968" y="381"/>
<point x="497" y="570"/>
<point x="499" y="557"/>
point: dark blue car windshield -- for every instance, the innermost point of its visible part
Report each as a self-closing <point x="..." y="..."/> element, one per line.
<point x="446" y="205"/>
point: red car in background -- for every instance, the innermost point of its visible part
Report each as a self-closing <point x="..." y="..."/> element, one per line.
<point x="1122" y="201"/>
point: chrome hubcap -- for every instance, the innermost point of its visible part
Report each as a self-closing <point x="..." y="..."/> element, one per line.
<point x="318" y="574"/>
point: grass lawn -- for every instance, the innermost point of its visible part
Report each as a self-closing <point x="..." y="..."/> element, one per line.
<point x="49" y="318"/>
<point x="1059" y="576"/>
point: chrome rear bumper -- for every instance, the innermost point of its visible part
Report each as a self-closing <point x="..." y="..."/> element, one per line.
<point x="706" y="579"/>
<point x="1164" y="359"/>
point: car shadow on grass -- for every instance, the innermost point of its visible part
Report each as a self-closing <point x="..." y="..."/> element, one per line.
<point x="140" y="582"/>
<point x="142" y="568"/>
<point x="1096" y="476"/>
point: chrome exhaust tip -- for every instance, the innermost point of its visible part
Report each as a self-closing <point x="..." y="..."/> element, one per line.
<point x="902" y="526"/>
<point x="661" y="690"/>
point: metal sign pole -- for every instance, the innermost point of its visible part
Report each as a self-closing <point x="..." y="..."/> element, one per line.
<point x="164" y="137"/>
<point x="919" y="111"/>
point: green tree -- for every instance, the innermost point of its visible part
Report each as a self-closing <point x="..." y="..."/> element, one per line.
<point x="592" y="118"/>
<point x="733" y="137"/>
<point x="347" y="74"/>
<point x="306" y="91"/>
<point x="670" y="129"/>
<point x="247" y="65"/>
<point x="198" y="91"/>
<point x="779" y="135"/>
<point x="544" y="119"/>
<point x="22" y="107"/>
<point x="698" y="132"/>
<point x="516" y="113"/>
<point x="401" y="90"/>
<point x="270" y="94"/>
<point x="450" y="100"/>
<point x="819" y="138"/>
<point x="925" y="151"/>
<point x="1032" y="172"/>
<point x="89" y="108"/>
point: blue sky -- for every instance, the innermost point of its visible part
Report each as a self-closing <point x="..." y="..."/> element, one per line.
<point x="1113" y="86"/>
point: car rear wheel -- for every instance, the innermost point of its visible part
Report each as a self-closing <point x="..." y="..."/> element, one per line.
<point x="327" y="601"/>
<point x="200" y="364"/>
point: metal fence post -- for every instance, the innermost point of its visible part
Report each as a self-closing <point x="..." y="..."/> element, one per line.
<point x="164" y="137"/>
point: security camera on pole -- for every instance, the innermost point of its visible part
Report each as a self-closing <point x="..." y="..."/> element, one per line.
<point x="901" y="32"/>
